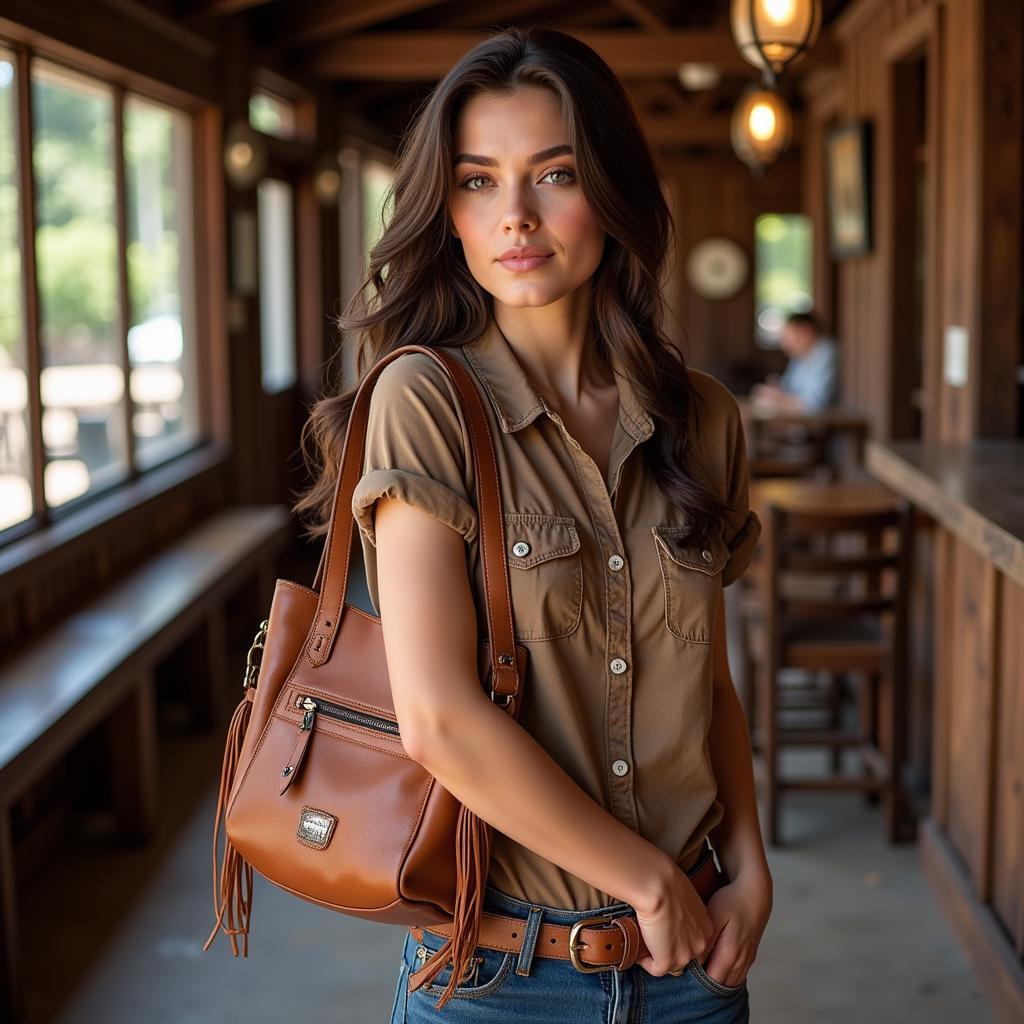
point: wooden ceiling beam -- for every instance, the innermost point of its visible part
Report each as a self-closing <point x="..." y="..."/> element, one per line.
<point x="225" y="6"/>
<point x="664" y="131"/>
<point x="713" y="131"/>
<point x="325" y="19"/>
<point x="494" y="12"/>
<point x="426" y="55"/>
<point x="657" y="91"/>
<point x="645" y="13"/>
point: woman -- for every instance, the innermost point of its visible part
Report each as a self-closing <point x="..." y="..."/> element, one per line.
<point x="528" y="235"/>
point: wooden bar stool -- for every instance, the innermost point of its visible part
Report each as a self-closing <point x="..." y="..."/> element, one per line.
<point x="750" y="601"/>
<point x="825" y="444"/>
<point x="789" y="446"/>
<point x="805" y="694"/>
<point x="834" y="589"/>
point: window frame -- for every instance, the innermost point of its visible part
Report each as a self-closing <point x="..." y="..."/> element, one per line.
<point x="47" y="526"/>
<point x="809" y="227"/>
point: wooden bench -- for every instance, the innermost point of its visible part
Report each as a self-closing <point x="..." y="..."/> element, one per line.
<point x="98" y="666"/>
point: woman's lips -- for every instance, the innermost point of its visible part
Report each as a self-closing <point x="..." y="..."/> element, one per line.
<point x="520" y="263"/>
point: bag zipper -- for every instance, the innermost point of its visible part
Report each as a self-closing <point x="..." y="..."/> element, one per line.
<point x="313" y="706"/>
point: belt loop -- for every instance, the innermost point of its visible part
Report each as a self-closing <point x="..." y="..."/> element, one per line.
<point x="525" y="960"/>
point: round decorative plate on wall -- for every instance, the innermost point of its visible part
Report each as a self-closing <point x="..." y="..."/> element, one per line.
<point x="717" y="268"/>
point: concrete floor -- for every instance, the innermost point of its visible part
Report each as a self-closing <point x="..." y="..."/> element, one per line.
<point x="855" y="934"/>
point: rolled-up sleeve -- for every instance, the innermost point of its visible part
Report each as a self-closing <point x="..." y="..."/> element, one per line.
<point x="415" y="448"/>
<point x="436" y="499"/>
<point x="743" y="527"/>
<point x="416" y="451"/>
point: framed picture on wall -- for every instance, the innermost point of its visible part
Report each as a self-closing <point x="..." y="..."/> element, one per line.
<point x="848" y="188"/>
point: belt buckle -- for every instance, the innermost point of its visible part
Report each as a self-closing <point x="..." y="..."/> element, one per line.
<point x="575" y="947"/>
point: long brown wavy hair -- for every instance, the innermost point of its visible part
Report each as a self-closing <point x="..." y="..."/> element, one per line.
<point x="420" y="290"/>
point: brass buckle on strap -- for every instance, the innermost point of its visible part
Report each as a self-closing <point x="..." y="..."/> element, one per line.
<point x="575" y="947"/>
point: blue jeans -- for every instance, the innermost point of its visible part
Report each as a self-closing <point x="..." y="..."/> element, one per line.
<point x="505" y="987"/>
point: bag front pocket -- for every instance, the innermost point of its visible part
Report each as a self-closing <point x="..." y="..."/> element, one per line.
<point x="692" y="578"/>
<point x="546" y="570"/>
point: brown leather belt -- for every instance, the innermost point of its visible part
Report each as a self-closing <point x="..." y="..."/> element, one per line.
<point x="600" y="943"/>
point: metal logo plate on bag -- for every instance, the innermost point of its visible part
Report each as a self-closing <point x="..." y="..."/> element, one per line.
<point x="315" y="827"/>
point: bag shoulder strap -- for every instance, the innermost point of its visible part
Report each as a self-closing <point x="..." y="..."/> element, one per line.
<point x="332" y="574"/>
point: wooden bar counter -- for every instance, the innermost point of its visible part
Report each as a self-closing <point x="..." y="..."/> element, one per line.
<point x="972" y="839"/>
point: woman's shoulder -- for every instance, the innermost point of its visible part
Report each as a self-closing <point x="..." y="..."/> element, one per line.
<point x="411" y="372"/>
<point x="413" y="386"/>
<point x="718" y="440"/>
<point x="717" y="407"/>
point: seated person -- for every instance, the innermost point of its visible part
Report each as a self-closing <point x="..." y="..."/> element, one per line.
<point x="810" y="382"/>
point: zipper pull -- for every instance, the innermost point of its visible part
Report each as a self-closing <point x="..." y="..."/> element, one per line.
<point x="307" y="719"/>
<point x="295" y="758"/>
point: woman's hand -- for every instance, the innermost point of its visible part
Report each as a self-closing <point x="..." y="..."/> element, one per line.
<point x="739" y="912"/>
<point x="676" y="926"/>
<point x="723" y="936"/>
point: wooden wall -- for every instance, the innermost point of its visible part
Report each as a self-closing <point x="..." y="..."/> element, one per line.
<point x="972" y="209"/>
<point x="973" y="841"/>
<point x="718" y="195"/>
<point x="972" y="838"/>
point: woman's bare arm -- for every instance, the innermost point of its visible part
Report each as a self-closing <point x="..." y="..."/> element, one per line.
<point x="740" y="910"/>
<point x="737" y="837"/>
<point x="474" y="749"/>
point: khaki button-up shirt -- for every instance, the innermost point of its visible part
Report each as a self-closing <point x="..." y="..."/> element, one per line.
<point x="616" y="604"/>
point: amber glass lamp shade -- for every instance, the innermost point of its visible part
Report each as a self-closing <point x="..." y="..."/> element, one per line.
<point x="245" y="155"/>
<point x="770" y="34"/>
<point x="762" y="126"/>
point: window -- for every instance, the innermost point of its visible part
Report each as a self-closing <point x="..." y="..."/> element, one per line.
<point x="271" y="114"/>
<point x="782" y="253"/>
<point x="277" y="285"/>
<point x="81" y="380"/>
<point x="107" y="302"/>
<point x="164" y="388"/>
<point x="15" y="450"/>
<point x="376" y="180"/>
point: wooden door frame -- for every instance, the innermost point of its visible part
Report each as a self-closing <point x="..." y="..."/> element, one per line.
<point x="916" y="38"/>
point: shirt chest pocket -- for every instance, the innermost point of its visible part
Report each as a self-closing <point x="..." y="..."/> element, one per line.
<point x="692" y="581"/>
<point x="546" y="574"/>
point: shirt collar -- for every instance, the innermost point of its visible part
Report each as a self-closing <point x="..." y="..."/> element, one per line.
<point x="515" y="399"/>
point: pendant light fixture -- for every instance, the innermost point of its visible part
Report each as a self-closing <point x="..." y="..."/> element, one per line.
<point x="327" y="180"/>
<point x="770" y="34"/>
<point x="245" y="154"/>
<point x="762" y="126"/>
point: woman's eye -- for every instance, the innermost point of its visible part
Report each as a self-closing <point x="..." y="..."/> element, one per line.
<point x="560" y="170"/>
<point x="467" y="183"/>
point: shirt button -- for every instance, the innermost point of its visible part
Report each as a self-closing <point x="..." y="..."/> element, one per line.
<point x="615" y="562"/>
<point x="707" y="556"/>
<point x="618" y="666"/>
<point x="620" y="767"/>
<point x="520" y="549"/>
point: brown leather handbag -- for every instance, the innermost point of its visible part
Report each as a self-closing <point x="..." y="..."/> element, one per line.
<point x="317" y="792"/>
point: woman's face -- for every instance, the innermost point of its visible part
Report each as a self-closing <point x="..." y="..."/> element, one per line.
<point x="503" y="198"/>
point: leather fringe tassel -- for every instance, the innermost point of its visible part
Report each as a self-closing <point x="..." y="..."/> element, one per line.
<point x="472" y="857"/>
<point x="232" y="895"/>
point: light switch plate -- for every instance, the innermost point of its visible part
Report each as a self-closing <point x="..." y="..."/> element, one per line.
<point x="956" y="356"/>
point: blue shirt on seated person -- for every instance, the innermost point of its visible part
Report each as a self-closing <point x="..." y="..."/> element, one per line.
<point x="810" y="382"/>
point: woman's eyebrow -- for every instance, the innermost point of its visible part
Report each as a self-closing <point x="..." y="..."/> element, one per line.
<point x="488" y="161"/>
